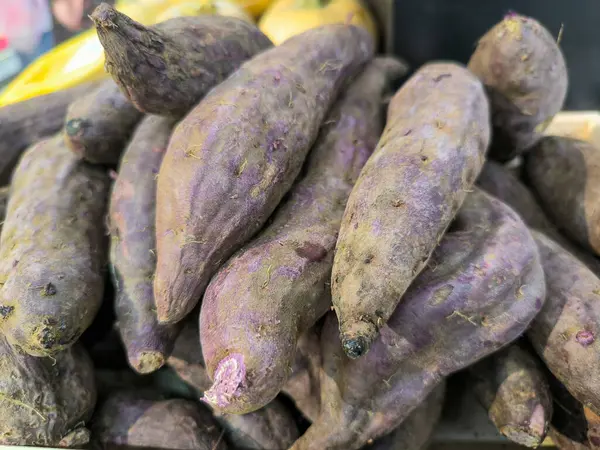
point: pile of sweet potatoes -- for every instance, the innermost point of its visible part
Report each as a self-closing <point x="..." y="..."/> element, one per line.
<point x="232" y="245"/>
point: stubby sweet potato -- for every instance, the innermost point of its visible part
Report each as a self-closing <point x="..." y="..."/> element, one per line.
<point x="45" y="401"/>
<point x="281" y="278"/>
<point x="501" y="183"/>
<point x="234" y="156"/>
<point x="135" y="419"/>
<point x="415" y="432"/>
<point x="565" y="333"/>
<point x="513" y="389"/>
<point x="23" y="124"/>
<point x="52" y="249"/>
<point x="270" y="428"/>
<point x="133" y="240"/>
<point x="430" y="154"/>
<point x="166" y="69"/>
<point x="98" y="125"/>
<point x="525" y="74"/>
<point x="565" y="174"/>
<point x="483" y="286"/>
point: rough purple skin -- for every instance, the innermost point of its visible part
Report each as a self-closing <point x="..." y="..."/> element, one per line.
<point x="166" y="69"/>
<point x="525" y="74"/>
<point x="483" y="286"/>
<point x="565" y="332"/>
<point x="24" y="123"/>
<point x="52" y="249"/>
<point x="133" y="243"/>
<point x="234" y="156"/>
<point x="133" y="419"/>
<point x="498" y="181"/>
<point x="430" y="154"/>
<point x="415" y="432"/>
<point x="98" y="125"/>
<point x="45" y="401"/>
<point x="278" y="285"/>
<point x="514" y="391"/>
<point x="270" y="428"/>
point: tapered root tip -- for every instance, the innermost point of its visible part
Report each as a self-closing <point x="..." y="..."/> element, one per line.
<point x="147" y="362"/>
<point x="356" y="347"/>
<point x="532" y="434"/>
<point x="229" y="376"/>
<point x="104" y="16"/>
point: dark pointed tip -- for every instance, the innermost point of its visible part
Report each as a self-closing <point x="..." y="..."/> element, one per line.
<point x="355" y="348"/>
<point x="104" y="16"/>
<point x="75" y="126"/>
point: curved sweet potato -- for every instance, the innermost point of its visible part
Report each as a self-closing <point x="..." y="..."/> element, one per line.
<point x="133" y="240"/>
<point x="565" y="333"/>
<point x="24" y="123"/>
<point x="234" y="156"/>
<point x="135" y="419"/>
<point x="281" y="278"/>
<point x="166" y="69"/>
<point x="45" y="401"/>
<point x="565" y="174"/>
<point x="525" y="74"/>
<point x="513" y="389"/>
<point x="98" y="125"/>
<point x="52" y="249"/>
<point x="406" y="196"/>
<point x="414" y="433"/>
<point x="483" y="286"/>
<point x="270" y="428"/>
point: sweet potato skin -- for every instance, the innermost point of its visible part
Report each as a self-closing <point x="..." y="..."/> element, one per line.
<point x="98" y="125"/>
<point x="270" y="428"/>
<point x="133" y="242"/>
<point x="133" y="419"/>
<point x="565" y="332"/>
<point x="281" y="278"/>
<point x="565" y="174"/>
<point x="233" y="157"/>
<point x="498" y="181"/>
<point x="52" y="249"/>
<point x="166" y="69"/>
<point x="513" y="389"/>
<point x="23" y="124"/>
<point x="414" y="433"/>
<point x="406" y="196"/>
<point x="469" y="293"/>
<point x="45" y="400"/>
<point x="525" y="74"/>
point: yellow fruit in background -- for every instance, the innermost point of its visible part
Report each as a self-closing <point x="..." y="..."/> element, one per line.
<point x="287" y="18"/>
<point x="198" y="7"/>
<point x="254" y="7"/>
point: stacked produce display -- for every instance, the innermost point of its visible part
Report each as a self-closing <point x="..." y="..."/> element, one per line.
<point x="308" y="251"/>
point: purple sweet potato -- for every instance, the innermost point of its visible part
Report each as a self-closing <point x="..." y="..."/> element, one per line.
<point x="565" y="174"/>
<point x="429" y="156"/>
<point x="513" y="389"/>
<point x="415" y="432"/>
<point x="270" y="428"/>
<point x="501" y="183"/>
<point x="134" y="419"/>
<point x="234" y="157"/>
<point x="24" y="123"/>
<point x="565" y="333"/>
<point x="482" y="287"/>
<point x="280" y="280"/>
<point x="166" y="69"/>
<point x="525" y="74"/>
<point x="133" y="237"/>
<point x="45" y="401"/>
<point x="99" y="124"/>
<point x="52" y="249"/>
